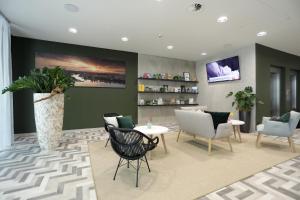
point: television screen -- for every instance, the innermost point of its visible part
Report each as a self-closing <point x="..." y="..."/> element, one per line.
<point x="223" y="70"/>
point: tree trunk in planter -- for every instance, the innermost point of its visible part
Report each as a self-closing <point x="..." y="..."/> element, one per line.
<point x="246" y="117"/>
<point x="49" y="115"/>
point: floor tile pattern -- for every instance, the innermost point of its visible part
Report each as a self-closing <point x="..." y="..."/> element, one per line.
<point x="281" y="182"/>
<point x="26" y="172"/>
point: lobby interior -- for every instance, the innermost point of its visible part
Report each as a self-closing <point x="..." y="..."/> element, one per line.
<point x="152" y="99"/>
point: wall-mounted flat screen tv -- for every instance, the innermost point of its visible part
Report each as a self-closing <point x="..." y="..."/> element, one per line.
<point x="223" y="70"/>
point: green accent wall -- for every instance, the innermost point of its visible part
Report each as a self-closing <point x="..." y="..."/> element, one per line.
<point x="85" y="106"/>
<point x="266" y="58"/>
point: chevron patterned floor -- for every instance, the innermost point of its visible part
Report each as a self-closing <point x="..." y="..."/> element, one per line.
<point x="28" y="173"/>
<point x="281" y="182"/>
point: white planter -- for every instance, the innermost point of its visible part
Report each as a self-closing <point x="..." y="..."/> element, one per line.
<point x="49" y="115"/>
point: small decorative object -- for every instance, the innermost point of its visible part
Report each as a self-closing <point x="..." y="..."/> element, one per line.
<point x="147" y="89"/>
<point x="186" y="76"/>
<point x="148" y="102"/>
<point x="194" y="89"/>
<point x="177" y="101"/>
<point x="166" y="88"/>
<point x="169" y="76"/>
<point x="160" y="101"/>
<point x="173" y="101"/>
<point x="182" y="102"/>
<point x="162" y="89"/>
<point x="177" y="89"/>
<point x="146" y="75"/>
<point x="141" y="87"/>
<point x="175" y="77"/>
<point x="191" y="100"/>
<point x="163" y="76"/>
<point x="182" y="87"/>
<point x="154" y="102"/>
<point x="141" y="102"/>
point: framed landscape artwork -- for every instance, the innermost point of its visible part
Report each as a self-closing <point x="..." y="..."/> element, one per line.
<point x="87" y="71"/>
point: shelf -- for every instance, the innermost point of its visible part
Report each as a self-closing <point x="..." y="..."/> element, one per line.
<point x="167" y="92"/>
<point x="169" y="80"/>
<point x="195" y="104"/>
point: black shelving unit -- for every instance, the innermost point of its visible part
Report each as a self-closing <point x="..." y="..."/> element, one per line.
<point x="167" y="92"/>
<point x="195" y="104"/>
<point x="169" y="80"/>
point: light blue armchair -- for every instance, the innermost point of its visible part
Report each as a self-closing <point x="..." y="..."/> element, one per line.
<point x="280" y="129"/>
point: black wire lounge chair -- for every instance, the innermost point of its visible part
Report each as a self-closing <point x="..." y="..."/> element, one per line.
<point x="131" y="145"/>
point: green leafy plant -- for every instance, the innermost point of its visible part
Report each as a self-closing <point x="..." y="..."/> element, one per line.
<point x="45" y="80"/>
<point x="244" y="100"/>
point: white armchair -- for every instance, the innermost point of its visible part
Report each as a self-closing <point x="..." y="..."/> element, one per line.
<point x="280" y="129"/>
<point x="201" y="124"/>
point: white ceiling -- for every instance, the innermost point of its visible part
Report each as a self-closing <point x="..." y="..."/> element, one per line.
<point x="102" y="23"/>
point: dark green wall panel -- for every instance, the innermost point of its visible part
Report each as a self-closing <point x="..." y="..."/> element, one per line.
<point x="265" y="58"/>
<point x="86" y="106"/>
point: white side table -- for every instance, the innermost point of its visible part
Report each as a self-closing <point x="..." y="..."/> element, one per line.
<point x="154" y="131"/>
<point x="236" y="127"/>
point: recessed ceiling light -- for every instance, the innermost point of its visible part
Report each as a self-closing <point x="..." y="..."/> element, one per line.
<point x="222" y="19"/>
<point x="170" y="47"/>
<point x="262" y="33"/>
<point x="71" y="7"/>
<point x="203" y="54"/>
<point x="73" y="30"/>
<point x="124" y="39"/>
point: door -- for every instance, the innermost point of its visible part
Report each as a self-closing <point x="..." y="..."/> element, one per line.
<point x="293" y="87"/>
<point x="275" y="90"/>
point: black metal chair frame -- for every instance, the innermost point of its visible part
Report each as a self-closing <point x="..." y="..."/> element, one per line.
<point x="151" y="142"/>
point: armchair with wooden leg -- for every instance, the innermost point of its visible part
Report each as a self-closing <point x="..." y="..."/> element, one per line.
<point x="280" y="129"/>
<point x="202" y="124"/>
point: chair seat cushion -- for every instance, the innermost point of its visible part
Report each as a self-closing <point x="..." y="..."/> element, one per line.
<point x="218" y="117"/>
<point x="125" y="122"/>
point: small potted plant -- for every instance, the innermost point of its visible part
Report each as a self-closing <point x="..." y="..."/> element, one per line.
<point x="48" y="86"/>
<point x="244" y="101"/>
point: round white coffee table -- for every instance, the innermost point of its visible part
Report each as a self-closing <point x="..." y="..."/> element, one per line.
<point x="236" y="127"/>
<point x="154" y="131"/>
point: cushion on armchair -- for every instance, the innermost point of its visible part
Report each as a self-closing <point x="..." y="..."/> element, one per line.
<point x="285" y="118"/>
<point x="218" y="117"/>
<point x="125" y="122"/>
<point x="112" y="120"/>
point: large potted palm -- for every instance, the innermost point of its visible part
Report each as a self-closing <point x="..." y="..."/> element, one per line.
<point x="244" y="101"/>
<point x="48" y="86"/>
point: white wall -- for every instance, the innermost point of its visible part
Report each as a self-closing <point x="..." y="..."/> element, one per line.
<point x="214" y="94"/>
<point x="156" y="64"/>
